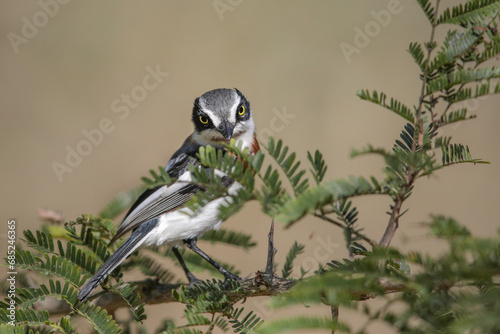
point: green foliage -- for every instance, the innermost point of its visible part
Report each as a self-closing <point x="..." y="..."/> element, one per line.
<point x="454" y="292"/>
<point x="159" y="178"/>
<point x="472" y="12"/>
<point x="318" y="164"/>
<point x="149" y="267"/>
<point x="455" y="116"/>
<point x="27" y="317"/>
<point x="446" y="227"/>
<point x="394" y="105"/>
<point x="323" y="195"/>
<point x="416" y="51"/>
<point x="209" y="296"/>
<point x="28" y="297"/>
<point x="447" y="293"/>
<point x="65" y="264"/>
<point x="51" y="266"/>
<point x="102" y="321"/>
<point x="444" y="82"/>
<point x="294" y="251"/>
<point x="428" y="10"/>
<point x="457" y="153"/>
<point x="249" y="322"/>
<point x="454" y="46"/>
<point x="230" y="238"/>
<point x="288" y="165"/>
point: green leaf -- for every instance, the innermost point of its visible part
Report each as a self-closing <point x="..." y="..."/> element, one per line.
<point x="194" y="318"/>
<point x="457" y="153"/>
<point x="324" y="194"/>
<point x="65" y="326"/>
<point x="394" y="105"/>
<point x="445" y="82"/>
<point x="294" y="251"/>
<point x="480" y="90"/>
<point x="447" y="227"/>
<point x="427" y="9"/>
<point x="473" y="11"/>
<point x="455" y="116"/>
<point x="28" y="317"/>
<point x="52" y="266"/>
<point x="249" y="322"/>
<point x="416" y="51"/>
<point x="44" y="243"/>
<point x="132" y="298"/>
<point x="455" y="45"/>
<point x="442" y="141"/>
<point x="229" y="237"/>
<point x="491" y="49"/>
<point x="209" y="296"/>
<point x="239" y="166"/>
<point x="9" y="329"/>
<point x="103" y="322"/>
<point x="159" y="178"/>
<point x="149" y="267"/>
<point x="27" y="297"/>
<point x="318" y="166"/>
<point x="288" y="165"/>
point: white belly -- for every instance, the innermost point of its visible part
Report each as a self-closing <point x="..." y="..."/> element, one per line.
<point x="173" y="227"/>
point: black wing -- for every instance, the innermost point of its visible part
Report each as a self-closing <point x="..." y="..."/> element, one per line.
<point x="156" y="201"/>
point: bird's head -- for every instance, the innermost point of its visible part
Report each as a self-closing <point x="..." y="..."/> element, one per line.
<point x="221" y="115"/>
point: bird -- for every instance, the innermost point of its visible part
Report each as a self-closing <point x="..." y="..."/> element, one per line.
<point x="159" y="216"/>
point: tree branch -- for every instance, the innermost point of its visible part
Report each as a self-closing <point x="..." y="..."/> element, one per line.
<point x="152" y="292"/>
<point x="393" y="223"/>
<point x="392" y="226"/>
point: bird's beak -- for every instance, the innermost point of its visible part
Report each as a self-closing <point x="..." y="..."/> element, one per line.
<point x="226" y="129"/>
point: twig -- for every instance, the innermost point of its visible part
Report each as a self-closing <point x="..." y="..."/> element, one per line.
<point x="393" y="223"/>
<point x="335" y="316"/>
<point x="392" y="226"/>
<point x="336" y="223"/>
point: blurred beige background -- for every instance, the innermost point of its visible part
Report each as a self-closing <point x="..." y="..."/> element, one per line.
<point x="72" y="72"/>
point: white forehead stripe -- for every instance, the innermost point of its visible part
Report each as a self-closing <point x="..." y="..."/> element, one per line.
<point x="215" y="120"/>
<point x="233" y="110"/>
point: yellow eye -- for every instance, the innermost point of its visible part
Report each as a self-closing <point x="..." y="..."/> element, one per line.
<point x="203" y="120"/>
<point x="241" y="110"/>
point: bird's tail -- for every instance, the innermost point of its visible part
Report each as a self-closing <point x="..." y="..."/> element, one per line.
<point x="130" y="245"/>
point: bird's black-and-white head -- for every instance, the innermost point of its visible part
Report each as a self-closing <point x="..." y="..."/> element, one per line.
<point x="220" y="115"/>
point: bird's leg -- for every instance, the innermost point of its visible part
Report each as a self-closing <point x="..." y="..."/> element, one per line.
<point x="192" y="279"/>
<point x="191" y="244"/>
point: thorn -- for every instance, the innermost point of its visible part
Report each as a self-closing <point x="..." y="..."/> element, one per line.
<point x="271" y="251"/>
